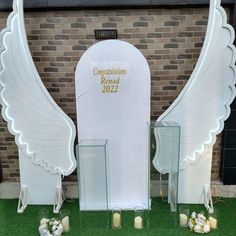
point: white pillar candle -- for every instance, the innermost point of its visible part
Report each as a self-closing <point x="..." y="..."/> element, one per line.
<point x="213" y="222"/>
<point x="183" y="220"/>
<point x="65" y="224"/>
<point x="116" y="220"/>
<point x="138" y="222"/>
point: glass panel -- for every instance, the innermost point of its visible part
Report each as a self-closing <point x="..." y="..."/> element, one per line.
<point x="92" y="142"/>
<point x="174" y="173"/>
<point x="164" y="142"/>
<point x="92" y="179"/>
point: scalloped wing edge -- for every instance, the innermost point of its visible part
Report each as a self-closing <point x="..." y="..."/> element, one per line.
<point x="205" y="146"/>
<point x="18" y="9"/>
<point x="220" y="121"/>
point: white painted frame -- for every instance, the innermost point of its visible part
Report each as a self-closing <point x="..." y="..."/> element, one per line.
<point x="120" y="117"/>
<point x="203" y="106"/>
<point x="43" y="133"/>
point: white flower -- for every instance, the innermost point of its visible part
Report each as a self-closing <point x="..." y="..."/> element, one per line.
<point x="200" y="222"/>
<point x="43" y="230"/>
<point x="194" y="215"/>
<point x="44" y="221"/>
<point x="50" y="222"/>
<point x="43" y="226"/>
<point x="56" y="222"/>
<point x="58" y="231"/>
<point x="54" y="227"/>
<point x="206" y="228"/>
<point x="201" y="216"/>
<point x="60" y="227"/>
<point x="191" y="223"/>
<point x="198" y="229"/>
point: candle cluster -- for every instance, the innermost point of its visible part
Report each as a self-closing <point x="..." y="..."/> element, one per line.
<point x="116" y="220"/>
<point x="198" y="223"/>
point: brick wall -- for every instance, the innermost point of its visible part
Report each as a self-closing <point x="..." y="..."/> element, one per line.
<point x="170" y="39"/>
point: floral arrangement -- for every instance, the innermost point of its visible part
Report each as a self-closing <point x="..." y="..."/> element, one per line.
<point x="198" y="223"/>
<point x="53" y="226"/>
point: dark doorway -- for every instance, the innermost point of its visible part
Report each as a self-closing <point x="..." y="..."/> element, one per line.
<point x="228" y="153"/>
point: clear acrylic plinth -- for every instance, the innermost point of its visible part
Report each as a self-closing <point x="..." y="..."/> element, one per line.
<point x="164" y="143"/>
<point x="93" y="183"/>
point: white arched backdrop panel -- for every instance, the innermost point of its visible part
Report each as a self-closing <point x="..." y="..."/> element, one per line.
<point x="113" y="102"/>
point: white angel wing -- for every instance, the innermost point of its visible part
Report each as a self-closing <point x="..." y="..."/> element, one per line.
<point x="203" y="105"/>
<point x="41" y="128"/>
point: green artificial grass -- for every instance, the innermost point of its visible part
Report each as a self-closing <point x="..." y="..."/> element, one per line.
<point x="162" y="222"/>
